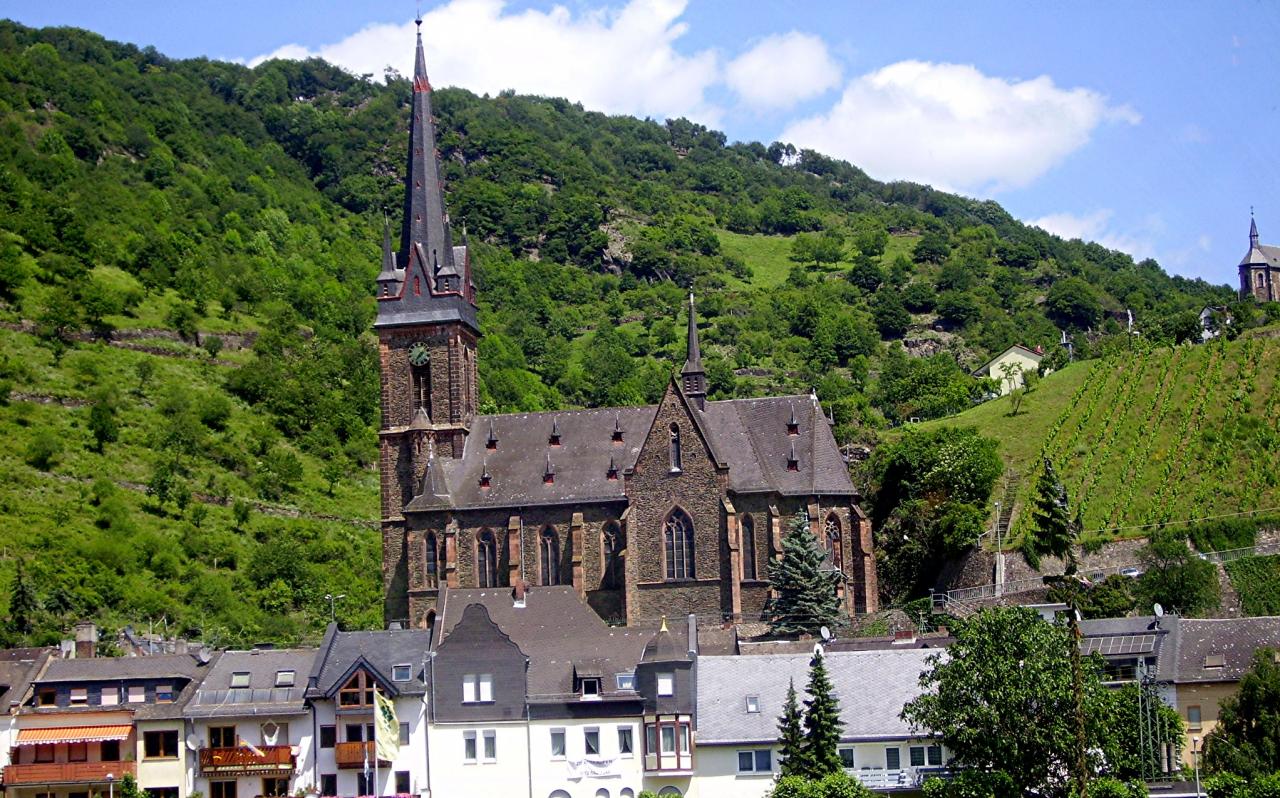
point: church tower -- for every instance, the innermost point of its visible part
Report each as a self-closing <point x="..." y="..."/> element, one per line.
<point x="1260" y="269"/>
<point x="427" y="332"/>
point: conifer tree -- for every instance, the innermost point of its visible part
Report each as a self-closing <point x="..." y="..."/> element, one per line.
<point x="804" y="595"/>
<point x="791" y="735"/>
<point x="1052" y="531"/>
<point x="821" y="723"/>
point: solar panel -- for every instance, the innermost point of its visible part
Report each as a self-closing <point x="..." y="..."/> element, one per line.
<point x="1118" y="645"/>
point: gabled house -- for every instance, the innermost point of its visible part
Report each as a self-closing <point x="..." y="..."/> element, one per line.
<point x="1142" y="649"/>
<point x="18" y="666"/>
<point x="251" y="725"/>
<point x="348" y="669"/>
<point x="1018" y="360"/>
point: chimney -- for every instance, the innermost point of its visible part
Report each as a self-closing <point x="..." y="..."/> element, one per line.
<point x="519" y="593"/>
<point x="904" y="637"/>
<point x="86" y="640"/>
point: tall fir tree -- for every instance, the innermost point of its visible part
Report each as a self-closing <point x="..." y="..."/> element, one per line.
<point x="821" y="723"/>
<point x="23" y="606"/>
<point x="804" y="595"/>
<point x="791" y="735"/>
<point x="1052" y="532"/>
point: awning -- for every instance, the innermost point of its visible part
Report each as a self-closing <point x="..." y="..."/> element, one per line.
<point x="73" y="734"/>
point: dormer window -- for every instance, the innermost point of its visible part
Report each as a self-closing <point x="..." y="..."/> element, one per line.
<point x="617" y="429"/>
<point x="491" y="442"/>
<point x="666" y="684"/>
<point x="1212" y="661"/>
<point x="284" y="678"/>
<point x="753" y="704"/>
<point x="486" y="481"/>
<point x="626" y="681"/>
<point x="357" y="692"/>
<point x="612" y="472"/>
<point x="554" y="438"/>
<point x="793" y="460"/>
<point x="549" y="473"/>
<point x="590" y="689"/>
<point x="164" y="693"/>
<point x="401" y="673"/>
<point x="239" y="679"/>
<point x="793" y="424"/>
<point x="79" y="696"/>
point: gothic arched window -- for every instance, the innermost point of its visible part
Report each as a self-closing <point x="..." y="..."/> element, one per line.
<point x="549" y="548"/>
<point x="612" y="545"/>
<point x="748" y="549"/>
<point x="678" y="536"/>
<point x="675" y="449"/>
<point x="421" y="377"/>
<point x="431" y="561"/>
<point x="1259" y="279"/>
<point x="833" y="541"/>
<point x="486" y="560"/>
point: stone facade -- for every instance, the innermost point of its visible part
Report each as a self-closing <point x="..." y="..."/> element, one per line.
<point x="1260" y="270"/>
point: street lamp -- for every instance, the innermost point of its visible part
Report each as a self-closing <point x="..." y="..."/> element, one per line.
<point x="1195" y="761"/>
<point x="329" y="597"/>
<point x="111" y="785"/>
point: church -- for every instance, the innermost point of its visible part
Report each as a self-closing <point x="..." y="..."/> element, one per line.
<point x="648" y="511"/>
<point x="1260" y="269"/>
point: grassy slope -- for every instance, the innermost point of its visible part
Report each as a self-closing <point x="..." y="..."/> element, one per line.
<point x="769" y="256"/>
<point x="1150" y="438"/>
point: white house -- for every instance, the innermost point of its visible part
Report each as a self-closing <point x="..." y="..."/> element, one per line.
<point x="1010" y="367"/>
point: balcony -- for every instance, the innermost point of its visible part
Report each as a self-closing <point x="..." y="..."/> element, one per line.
<point x="66" y="772"/>
<point x="243" y="761"/>
<point x="353" y="755"/>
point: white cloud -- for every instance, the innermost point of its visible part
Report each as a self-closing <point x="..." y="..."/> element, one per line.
<point x="612" y="60"/>
<point x="782" y="70"/>
<point x="954" y="127"/>
<point x="1097" y="226"/>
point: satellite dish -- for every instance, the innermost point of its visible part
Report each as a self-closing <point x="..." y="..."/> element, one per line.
<point x="1158" y="610"/>
<point x="193" y="742"/>
<point x="817" y="650"/>
<point x="202" y="656"/>
<point x="824" y="633"/>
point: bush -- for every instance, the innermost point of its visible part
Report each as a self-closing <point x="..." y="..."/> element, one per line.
<point x="834" y="785"/>
<point x="1230" y="533"/>
<point x="1257" y="580"/>
<point x="43" y="449"/>
<point x="1107" y="787"/>
<point x="972" y="784"/>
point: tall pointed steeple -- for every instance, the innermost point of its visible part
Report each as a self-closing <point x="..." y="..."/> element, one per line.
<point x="1253" y="231"/>
<point x="692" y="377"/>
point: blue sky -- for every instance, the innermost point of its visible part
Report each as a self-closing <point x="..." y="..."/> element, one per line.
<point x="1151" y="127"/>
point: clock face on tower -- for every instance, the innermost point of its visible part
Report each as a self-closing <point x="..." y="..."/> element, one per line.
<point x="419" y="354"/>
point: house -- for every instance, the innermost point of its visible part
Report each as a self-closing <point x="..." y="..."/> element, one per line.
<point x="667" y="509"/>
<point x="1142" y="649"/>
<point x="90" y="721"/>
<point x="740" y="698"/>
<point x="1018" y="360"/>
<point x="1260" y="269"/>
<point x="1213" y="655"/>
<point x="18" y="666"/>
<point x="251" y="725"/>
<point x="348" y="670"/>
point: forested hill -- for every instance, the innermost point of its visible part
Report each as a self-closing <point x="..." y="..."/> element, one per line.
<point x="187" y="254"/>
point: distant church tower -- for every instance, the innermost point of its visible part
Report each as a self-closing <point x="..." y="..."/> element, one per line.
<point x="1260" y="269"/>
<point x="427" y="332"/>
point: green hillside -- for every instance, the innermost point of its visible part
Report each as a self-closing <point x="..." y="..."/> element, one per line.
<point x="188" y="379"/>
<point x="1150" y="437"/>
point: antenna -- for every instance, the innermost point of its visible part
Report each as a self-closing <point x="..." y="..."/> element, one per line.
<point x="825" y="634"/>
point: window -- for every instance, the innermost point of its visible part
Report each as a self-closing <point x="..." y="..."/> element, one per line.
<point x="223" y="736"/>
<point x="833" y="542"/>
<point x="328" y="785"/>
<point x="356" y="732"/>
<point x="401" y="673"/>
<point x="490" y="746"/>
<point x="225" y="789"/>
<point x="614" y="575"/>
<point x="549" y="553"/>
<point x="666" y="684"/>
<point x="892" y="759"/>
<point x="753" y="703"/>
<point x="1193" y="717"/>
<point x="626" y="746"/>
<point x="477" y="687"/>
<point x="284" y="678"/>
<point x="77" y="752"/>
<point x="275" y="786"/>
<point x="678" y="536"/>
<point x="44" y="753"/>
<point x="402" y="782"/>
<point x="79" y="696"/>
<point x="557" y="743"/>
<point x="486" y="560"/>
<point x="1214" y="661"/>
<point x="364" y="784"/>
<point x="935" y="755"/>
<point x="48" y="698"/>
<point x="109" y="751"/>
<point x="674" y="452"/>
<point x="137" y="694"/>
<point x="917" y="756"/>
<point x="748" y="547"/>
<point x="404" y="735"/>
<point x="164" y="693"/>
<point x="358" y="692"/>
<point x="590" y="688"/>
<point x="469" y="746"/>
<point x="421" y="377"/>
<point x="626" y="681"/>
<point x="846" y="758"/>
<point x="160" y="744"/>
<point x="591" y="742"/>
<point x="240" y="679"/>
<point x="759" y="761"/>
<point x="602" y="793"/>
<point x="110" y="696"/>
<point x="328" y="736"/>
<point x="431" y="560"/>
<point x="627" y="792"/>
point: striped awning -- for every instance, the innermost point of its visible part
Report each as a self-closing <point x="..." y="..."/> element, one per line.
<point x="73" y="734"/>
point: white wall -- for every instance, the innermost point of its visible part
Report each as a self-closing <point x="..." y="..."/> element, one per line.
<point x="620" y="770"/>
<point x="1019" y="358"/>
<point x="165" y="772"/>
<point x="249" y="729"/>
<point x="411" y="757"/>
<point x="506" y="776"/>
<point x="716" y="768"/>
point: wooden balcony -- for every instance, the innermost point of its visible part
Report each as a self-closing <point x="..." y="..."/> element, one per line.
<point x="352" y="755"/>
<point x="242" y="761"/>
<point x="66" y="772"/>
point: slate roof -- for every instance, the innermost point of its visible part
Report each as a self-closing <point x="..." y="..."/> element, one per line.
<point x="872" y="687"/>
<point x="18" y="667"/>
<point x="216" y="697"/>
<point x="1235" y="639"/>
<point x="558" y="632"/>
<point x="749" y="435"/>
<point x="1131" y="637"/>
<point x="379" y="651"/>
<point x="1261" y="255"/>
<point x="185" y="669"/>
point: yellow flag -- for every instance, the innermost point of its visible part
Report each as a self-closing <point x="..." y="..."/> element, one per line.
<point x="386" y="727"/>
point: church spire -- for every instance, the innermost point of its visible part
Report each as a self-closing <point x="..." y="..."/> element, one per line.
<point x="693" y="378"/>
<point x="1253" y="230"/>
<point x="426" y="225"/>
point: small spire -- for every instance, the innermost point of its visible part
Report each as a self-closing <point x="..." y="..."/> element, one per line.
<point x="617" y="427"/>
<point x="693" y="377"/>
<point x="793" y="423"/>
<point x="554" y="439"/>
<point x="663" y="629"/>
<point x="492" y="441"/>
<point x="1253" y="229"/>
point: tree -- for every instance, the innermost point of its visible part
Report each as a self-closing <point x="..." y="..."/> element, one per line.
<point x="866" y="274"/>
<point x="821" y="723"/>
<point x="825" y="247"/>
<point x="804" y="594"/>
<point x="43" y="450"/>
<point x="145" y="369"/>
<point x="1246" y="740"/>
<point x="791" y="735"/>
<point x="102" y="421"/>
<point x="932" y="247"/>
<point x="1175" y="577"/>
<point x="1052" y="531"/>
<point x="23" y="606"/>
<point x="892" y="319"/>
<point x="1072" y="303"/>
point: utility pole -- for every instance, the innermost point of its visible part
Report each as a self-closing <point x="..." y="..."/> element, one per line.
<point x="1077" y="688"/>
